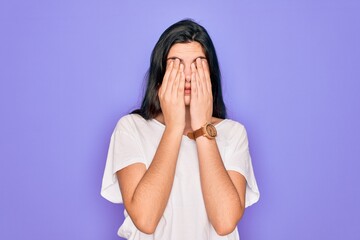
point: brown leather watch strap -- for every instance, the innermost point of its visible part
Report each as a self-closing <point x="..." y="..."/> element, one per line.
<point x="196" y="134"/>
<point x="191" y="135"/>
<point x="199" y="132"/>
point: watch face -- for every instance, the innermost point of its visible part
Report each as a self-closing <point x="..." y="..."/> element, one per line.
<point x="211" y="130"/>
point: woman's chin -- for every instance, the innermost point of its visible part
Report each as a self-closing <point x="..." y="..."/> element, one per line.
<point x="187" y="100"/>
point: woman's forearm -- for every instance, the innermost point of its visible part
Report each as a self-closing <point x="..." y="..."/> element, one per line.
<point x="149" y="198"/>
<point x="222" y="201"/>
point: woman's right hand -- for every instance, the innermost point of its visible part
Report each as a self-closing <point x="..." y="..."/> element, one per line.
<point x="171" y="95"/>
<point x="146" y="191"/>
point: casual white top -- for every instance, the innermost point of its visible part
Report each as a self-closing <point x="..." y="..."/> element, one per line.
<point x="135" y="140"/>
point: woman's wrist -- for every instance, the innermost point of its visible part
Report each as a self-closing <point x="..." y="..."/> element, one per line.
<point x="174" y="130"/>
<point x="198" y="124"/>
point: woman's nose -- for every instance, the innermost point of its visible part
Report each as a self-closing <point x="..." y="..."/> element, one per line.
<point x="187" y="72"/>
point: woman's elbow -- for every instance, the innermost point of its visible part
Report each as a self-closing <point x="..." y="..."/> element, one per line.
<point x="224" y="228"/>
<point x="145" y="225"/>
<point x="148" y="229"/>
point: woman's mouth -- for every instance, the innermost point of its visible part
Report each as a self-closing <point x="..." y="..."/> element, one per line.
<point x="187" y="91"/>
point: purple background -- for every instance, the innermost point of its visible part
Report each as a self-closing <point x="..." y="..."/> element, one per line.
<point x="71" y="69"/>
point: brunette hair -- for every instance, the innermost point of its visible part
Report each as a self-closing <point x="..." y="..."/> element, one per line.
<point x="184" y="31"/>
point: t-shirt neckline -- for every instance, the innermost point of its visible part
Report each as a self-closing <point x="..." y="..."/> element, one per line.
<point x="217" y="125"/>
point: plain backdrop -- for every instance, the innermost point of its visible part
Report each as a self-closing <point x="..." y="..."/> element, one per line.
<point x="70" y="69"/>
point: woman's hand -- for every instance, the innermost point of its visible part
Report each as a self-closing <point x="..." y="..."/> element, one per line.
<point x="201" y="103"/>
<point x="171" y="95"/>
<point x="146" y="191"/>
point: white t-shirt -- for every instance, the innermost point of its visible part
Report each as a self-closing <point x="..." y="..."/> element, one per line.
<point x="135" y="140"/>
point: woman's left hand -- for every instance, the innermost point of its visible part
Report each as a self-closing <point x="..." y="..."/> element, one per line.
<point x="201" y="103"/>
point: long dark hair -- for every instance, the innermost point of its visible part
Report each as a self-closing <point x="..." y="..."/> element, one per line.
<point x="184" y="31"/>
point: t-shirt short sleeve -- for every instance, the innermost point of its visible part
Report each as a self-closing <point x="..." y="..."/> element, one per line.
<point x="237" y="158"/>
<point x="124" y="150"/>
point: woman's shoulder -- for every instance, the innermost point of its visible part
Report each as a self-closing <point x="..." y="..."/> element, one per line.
<point x="129" y="121"/>
<point x="132" y="117"/>
<point x="230" y="129"/>
<point x="227" y="123"/>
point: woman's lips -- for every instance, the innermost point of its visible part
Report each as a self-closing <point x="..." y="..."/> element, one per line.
<point x="187" y="91"/>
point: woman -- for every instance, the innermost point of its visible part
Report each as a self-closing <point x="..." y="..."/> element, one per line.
<point x="182" y="170"/>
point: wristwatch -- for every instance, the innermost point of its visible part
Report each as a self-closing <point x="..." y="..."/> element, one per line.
<point x="208" y="130"/>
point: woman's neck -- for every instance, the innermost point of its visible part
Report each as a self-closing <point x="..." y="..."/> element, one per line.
<point x="187" y="128"/>
<point x="187" y="121"/>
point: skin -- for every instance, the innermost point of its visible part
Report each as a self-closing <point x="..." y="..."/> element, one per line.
<point x="186" y="103"/>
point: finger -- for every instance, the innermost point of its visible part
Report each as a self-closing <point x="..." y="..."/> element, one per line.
<point x="207" y="75"/>
<point x="164" y="83"/>
<point x="174" y="70"/>
<point x="172" y="76"/>
<point x="199" y="80"/>
<point x="193" y="81"/>
<point x="200" y="69"/>
<point x="177" y="80"/>
<point x="181" y="88"/>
